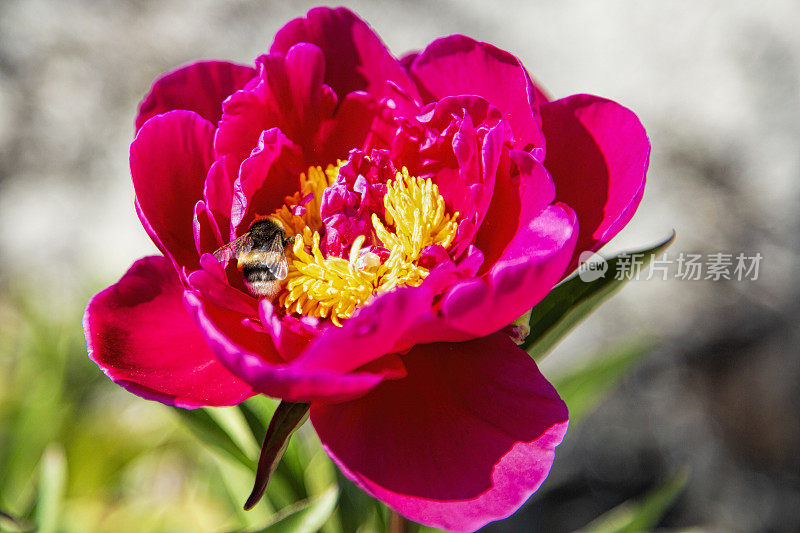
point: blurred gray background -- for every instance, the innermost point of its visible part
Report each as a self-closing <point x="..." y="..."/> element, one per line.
<point x="715" y="84"/>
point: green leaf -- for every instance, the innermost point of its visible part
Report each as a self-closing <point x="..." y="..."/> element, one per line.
<point x="257" y="411"/>
<point x="307" y="516"/>
<point x="574" y="299"/>
<point x="319" y="471"/>
<point x="583" y="388"/>
<point x="235" y="424"/>
<point x="643" y="515"/>
<point x="358" y="511"/>
<point x="210" y="431"/>
<point x="52" y="481"/>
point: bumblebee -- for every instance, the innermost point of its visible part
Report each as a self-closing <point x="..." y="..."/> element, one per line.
<point x="260" y="256"/>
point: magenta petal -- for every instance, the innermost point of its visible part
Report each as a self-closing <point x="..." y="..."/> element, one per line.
<point x="290" y="334"/>
<point x="349" y="203"/>
<point x="210" y="283"/>
<point x="200" y="87"/>
<point x="218" y="191"/>
<point x="463" y="149"/>
<point x="355" y="57"/>
<point x="407" y="59"/>
<point x="289" y="94"/>
<point x="207" y="236"/>
<point x="372" y="332"/>
<point x="266" y="178"/>
<point x="141" y="336"/>
<point x="597" y="153"/>
<point x="294" y="87"/>
<point x="244" y="116"/>
<point x="169" y="160"/>
<point x="463" y="440"/>
<point x="522" y="189"/>
<point x="360" y="122"/>
<point x="458" y="65"/>
<point x="530" y="266"/>
<point x="253" y="357"/>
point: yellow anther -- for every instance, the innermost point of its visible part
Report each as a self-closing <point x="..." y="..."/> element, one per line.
<point x="417" y="211"/>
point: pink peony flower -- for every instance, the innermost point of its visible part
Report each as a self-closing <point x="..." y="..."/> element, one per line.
<point x="434" y="200"/>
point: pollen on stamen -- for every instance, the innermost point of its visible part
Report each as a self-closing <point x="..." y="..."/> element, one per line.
<point x="324" y="286"/>
<point x="335" y="287"/>
<point x="417" y="211"/>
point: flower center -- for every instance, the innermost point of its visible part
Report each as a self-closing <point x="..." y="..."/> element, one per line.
<point x="414" y="223"/>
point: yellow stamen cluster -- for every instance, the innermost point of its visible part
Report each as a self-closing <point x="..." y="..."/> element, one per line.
<point x="417" y="211"/>
<point x="325" y="286"/>
<point x="334" y="287"/>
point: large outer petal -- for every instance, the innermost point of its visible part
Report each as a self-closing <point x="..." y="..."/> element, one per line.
<point x="465" y="439"/>
<point x="169" y="159"/>
<point x="459" y="65"/>
<point x="355" y="57"/>
<point x="597" y="153"/>
<point x="200" y="87"/>
<point x="141" y="336"/>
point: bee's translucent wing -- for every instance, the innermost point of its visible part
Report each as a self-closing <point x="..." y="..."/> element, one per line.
<point x="277" y="253"/>
<point x="233" y="248"/>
